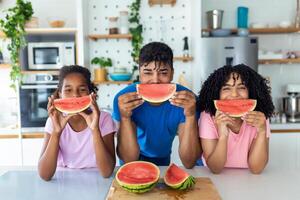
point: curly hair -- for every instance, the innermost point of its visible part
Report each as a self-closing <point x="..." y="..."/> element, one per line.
<point x="66" y="70"/>
<point x="158" y="52"/>
<point x="258" y="88"/>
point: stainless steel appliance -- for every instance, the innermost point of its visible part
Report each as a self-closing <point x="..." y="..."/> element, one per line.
<point x="50" y="55"/>
<point x="34" y="93"/>
<point x="291" y="103"/>
<point x="219" y="51"/>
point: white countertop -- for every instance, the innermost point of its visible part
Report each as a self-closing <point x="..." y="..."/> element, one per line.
<point x="273" y="183"/>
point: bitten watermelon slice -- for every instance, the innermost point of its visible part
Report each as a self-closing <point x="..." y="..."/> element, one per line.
<point x="72" y="105"/>
<point x="235" y="107"/>
<point x="156" y="93"/>
<point x="177" y="178"/>
<point x="138" y="176"/>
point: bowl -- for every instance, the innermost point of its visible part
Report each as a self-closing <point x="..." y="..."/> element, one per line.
<point x="220" y="32"/>
<point x="120" y="77"/>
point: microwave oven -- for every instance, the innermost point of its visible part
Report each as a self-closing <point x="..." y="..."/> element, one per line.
<point x="50" y="55"/>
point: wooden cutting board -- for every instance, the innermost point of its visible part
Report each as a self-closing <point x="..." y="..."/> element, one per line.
<point x="203" y="189"/>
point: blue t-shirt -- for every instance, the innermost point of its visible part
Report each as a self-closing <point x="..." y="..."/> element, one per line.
<point x="156" y="126"/>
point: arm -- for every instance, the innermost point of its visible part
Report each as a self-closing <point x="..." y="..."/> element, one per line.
<point x="48" y="159"/>
<point x="189" y="145"/>
<point x="259" y="150"/>
<point x="105" y="152"/>
<point x="127" y="147"/>
<point x="215" y="150"/>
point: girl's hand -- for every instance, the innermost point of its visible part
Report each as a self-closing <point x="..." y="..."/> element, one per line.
<point x="58" y="120"/>
<point x="222" y="120"/>
<point x="92" y="119"/>
<point x="186" y="100"/>
<point x="256" y="119"/>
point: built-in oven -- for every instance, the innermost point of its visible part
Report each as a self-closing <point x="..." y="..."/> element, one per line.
<point x="34" y="93"/>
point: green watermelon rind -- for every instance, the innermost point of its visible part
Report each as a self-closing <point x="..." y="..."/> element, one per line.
<point x="71" y="101"/>
<point x="241" y="113"/>
<point x="138" y="188"/>
<point x="157" y="100"/>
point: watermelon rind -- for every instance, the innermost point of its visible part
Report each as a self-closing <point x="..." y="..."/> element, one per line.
<point x="73" y="101"/>
<point x="240" y="114"/>
<point x="156" y="99"/>
<point x="141" y="187"/>
<point x="187" y="181"/>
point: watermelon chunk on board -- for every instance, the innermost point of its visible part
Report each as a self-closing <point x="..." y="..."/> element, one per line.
<point x="156" y="93"/>
<point x="235" y="107"/>
<point x="177" y="178"/>
<point x="72" y="105"/>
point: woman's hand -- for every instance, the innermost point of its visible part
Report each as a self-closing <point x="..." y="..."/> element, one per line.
<point x="59" y="121"/>
<point x="222" y="120"/>
<point x="92" y="119"/>
<point x="256" y="119"/>
<point x="186" y="100"/>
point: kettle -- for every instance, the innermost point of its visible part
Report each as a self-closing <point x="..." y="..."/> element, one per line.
<point x="291" y="107"/>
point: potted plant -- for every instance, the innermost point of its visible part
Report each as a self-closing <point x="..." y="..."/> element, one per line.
<point x="13" y="28"/>
<point x="100" y="73"/>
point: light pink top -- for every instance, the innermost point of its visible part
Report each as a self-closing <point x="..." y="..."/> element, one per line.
<point x="238" y="145"/>
<point x="76" y="149"/>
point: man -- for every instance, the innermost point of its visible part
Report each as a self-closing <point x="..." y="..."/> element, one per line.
<point x="147" y="130"/>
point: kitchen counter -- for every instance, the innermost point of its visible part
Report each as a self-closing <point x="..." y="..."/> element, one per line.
<point x="273" y="183"/>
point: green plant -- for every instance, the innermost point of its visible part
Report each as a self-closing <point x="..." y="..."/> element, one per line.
<point x="13" y="27"/>
<point x="136" y="30"/>
<point x="102" y="62"/>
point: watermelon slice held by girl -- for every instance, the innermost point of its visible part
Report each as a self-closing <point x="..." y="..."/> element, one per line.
<point x="235" y="142"/>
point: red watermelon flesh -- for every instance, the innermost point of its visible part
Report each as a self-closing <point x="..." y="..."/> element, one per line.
<point x="156" y="93"/>
<point x="72" y="105"/>
<point x="235" y="107"/>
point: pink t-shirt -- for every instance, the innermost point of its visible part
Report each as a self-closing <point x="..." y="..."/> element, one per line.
<point x="238" y="145"/>
<point x="76" y="149"/>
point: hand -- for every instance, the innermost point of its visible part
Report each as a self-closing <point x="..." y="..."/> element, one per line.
<point x="222" y="121"/>
<point x="92" y="119"/>
<point x="256" y="119"/>
<point x="59" y="121"/>
<point x="127" y="102"/>
<point x="186" y="100"/>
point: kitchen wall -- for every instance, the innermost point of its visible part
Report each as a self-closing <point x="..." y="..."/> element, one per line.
<point x="271" y="13"/>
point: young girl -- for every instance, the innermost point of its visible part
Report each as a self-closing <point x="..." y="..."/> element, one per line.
<point x="80" y="140"/>
<point x="235" y="142"/>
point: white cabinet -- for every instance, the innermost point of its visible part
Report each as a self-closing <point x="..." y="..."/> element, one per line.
<point x="10" y="152"/>
<point x="31" y="151"/>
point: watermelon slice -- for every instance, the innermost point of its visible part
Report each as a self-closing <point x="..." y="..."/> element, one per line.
<point x="235" y="107"/>
<point x="177" y="178"/>
<point x="72" y="105"/>
<point x="138" y="176"/>
<point x="156" y="93"/>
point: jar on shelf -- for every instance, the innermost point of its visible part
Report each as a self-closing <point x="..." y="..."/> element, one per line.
<point x="113" y="25"/>
<point x="123" y="22"/>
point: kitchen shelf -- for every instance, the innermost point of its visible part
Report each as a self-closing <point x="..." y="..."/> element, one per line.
<point x="110" y="36"/>
<point x="45" y="31"/>
<point x="279" y="61"/>
<point x="161" y="2"/>
<point x="112" y="82"/>
<point x="183" y="59"/>
<point x="266" y="30"/>
<point x="4" y="66"/>
<point x="32" y="135"/>
<point x="40" y="72"/>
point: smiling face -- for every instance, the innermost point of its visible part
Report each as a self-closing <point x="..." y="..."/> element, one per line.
<point x="234" y="88"/>
<point x="152" y="73"/>
<point x="74" y="85"/>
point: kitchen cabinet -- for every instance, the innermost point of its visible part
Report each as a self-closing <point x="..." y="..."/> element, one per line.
<point x="10" y="152"/>
<point x="31" y="149"/>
